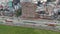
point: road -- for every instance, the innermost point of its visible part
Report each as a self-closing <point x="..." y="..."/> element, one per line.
<point x="40" y="24"/>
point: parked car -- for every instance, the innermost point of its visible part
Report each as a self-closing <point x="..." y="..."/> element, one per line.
<point x="9" y="20"/>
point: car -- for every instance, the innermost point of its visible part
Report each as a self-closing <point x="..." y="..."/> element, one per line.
<point x="51" y="24"/>
<point x="8" y="20"/>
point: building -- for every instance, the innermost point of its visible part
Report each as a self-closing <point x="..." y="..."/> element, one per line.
<point x="29" y="7"/>
<point x="8" y="5"/>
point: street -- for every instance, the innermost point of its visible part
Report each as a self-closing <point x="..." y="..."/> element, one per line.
<point x="40" y="24"/>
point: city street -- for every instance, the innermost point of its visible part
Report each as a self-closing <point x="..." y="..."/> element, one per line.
<point x="40" y="24"/>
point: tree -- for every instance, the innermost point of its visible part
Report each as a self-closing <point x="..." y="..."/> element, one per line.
<point x="18" y="12"/>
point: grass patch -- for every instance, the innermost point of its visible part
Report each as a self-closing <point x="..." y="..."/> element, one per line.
<point x="23" y="30"/>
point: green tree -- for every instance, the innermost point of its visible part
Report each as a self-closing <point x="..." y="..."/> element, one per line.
<point x="18" y="12"/>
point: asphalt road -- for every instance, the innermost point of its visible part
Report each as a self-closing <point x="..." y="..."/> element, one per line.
<point x="40" y="24"/>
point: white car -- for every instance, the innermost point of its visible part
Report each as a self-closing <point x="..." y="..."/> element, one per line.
<point x="8" y="20"/>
